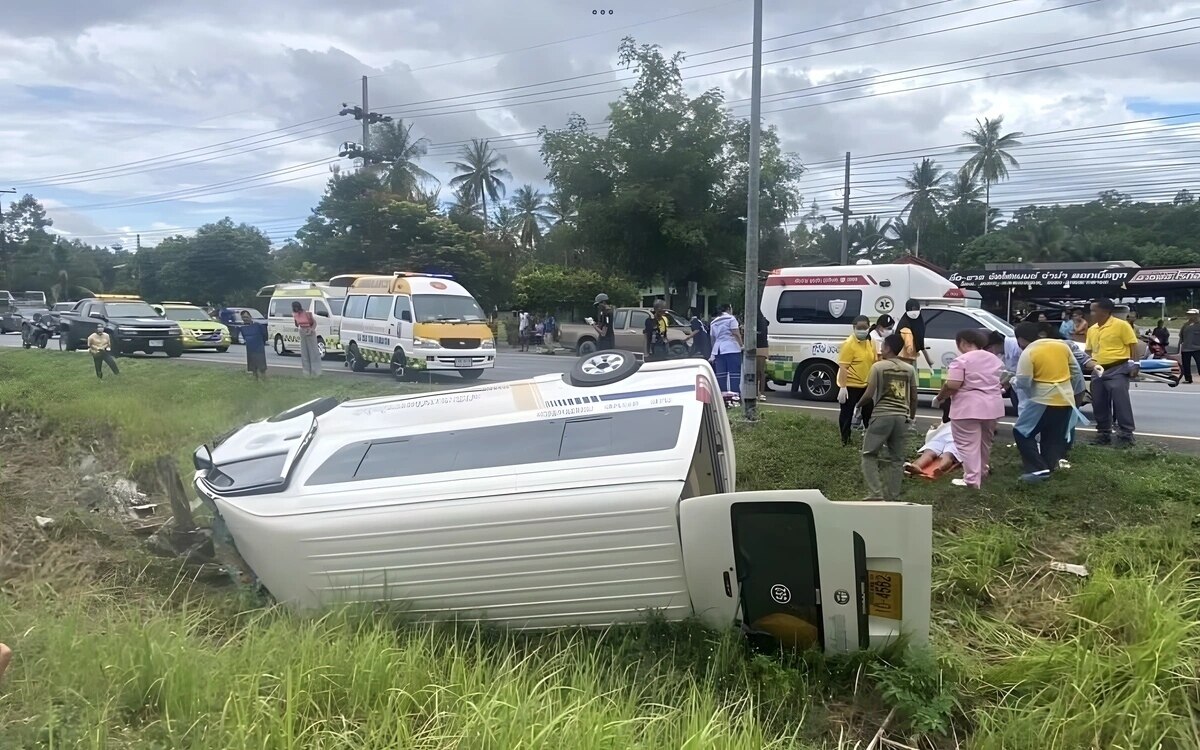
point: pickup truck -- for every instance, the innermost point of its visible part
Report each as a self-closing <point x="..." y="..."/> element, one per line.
<point x="629" y="329"/>
<point x="131" y="324"/>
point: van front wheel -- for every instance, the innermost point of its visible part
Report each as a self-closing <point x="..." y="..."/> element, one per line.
<point x="399" y="365"/>
<point x="816" y="382"/>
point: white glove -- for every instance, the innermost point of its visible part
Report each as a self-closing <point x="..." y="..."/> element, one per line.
<point x="1097" y="371"/>
<point x="843" y="395"/>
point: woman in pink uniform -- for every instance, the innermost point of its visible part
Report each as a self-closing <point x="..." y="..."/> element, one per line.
<point x="976" y="404"/>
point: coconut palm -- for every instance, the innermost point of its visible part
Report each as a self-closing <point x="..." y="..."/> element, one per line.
<point x="532" y="215"/>
<point x="925" y="193"/>
<point x="480" y="171"/>
<point x="396" y="148"/>
<point x="990" y="159"/>
<point x="964" y="191"/>
<point x="1044" y="241"/>
<point x="561" y="208"/>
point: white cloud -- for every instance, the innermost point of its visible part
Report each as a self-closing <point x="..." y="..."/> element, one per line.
<point x="116" y="81"/>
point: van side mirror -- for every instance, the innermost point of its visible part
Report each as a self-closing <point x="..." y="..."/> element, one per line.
<point x="406" y="316"/>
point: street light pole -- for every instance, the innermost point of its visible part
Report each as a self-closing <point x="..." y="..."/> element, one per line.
<point x="750" y="314"/>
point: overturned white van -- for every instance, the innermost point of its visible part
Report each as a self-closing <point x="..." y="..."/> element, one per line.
<point x="587" y="499"/>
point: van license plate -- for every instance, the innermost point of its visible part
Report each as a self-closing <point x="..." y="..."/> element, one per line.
<point x="463" y="362"/>
<point x="156" y="342"/>
<point x="885" y="592"/>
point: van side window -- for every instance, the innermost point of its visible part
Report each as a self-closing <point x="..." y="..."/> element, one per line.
<point x="335" y="306"/>
<point x="356" y="305"/>
<point x="321" y="309"/>
<point x="403" y="305"/>
<point x="523" y="443"/>
<point x="945" y="324"/>
<point x="378" y="307"/>
<point x="621" y="318"/>
<point x="821" y="306"/>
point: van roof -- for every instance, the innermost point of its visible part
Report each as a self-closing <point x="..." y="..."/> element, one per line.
<point x="402" y="282"/>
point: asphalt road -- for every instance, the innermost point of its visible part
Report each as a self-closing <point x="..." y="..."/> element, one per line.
<point x="1170" y="416"/>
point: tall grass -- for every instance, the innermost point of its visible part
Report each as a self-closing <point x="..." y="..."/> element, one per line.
<point x="1023" y="658"/>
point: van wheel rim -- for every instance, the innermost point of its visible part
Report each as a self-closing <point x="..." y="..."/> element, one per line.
<point x="819" y="383"/>
<point x="601" y="364"/>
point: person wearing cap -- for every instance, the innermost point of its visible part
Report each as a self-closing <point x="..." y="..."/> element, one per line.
<point x="607" y="338"/>
<point x="1189" y="344"/>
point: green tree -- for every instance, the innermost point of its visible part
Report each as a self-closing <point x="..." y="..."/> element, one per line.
<point x="481" y="172"/>
<point x="1043" y="241"/>
<point x="925" y="193"/>
<point x="224" y="262"/>
<point x="532" y="216"/>
<point x="395" y="147"/>
<point x="989" y="158"/>
<point x="560" y="207"/>
<point x="551" y="288"/>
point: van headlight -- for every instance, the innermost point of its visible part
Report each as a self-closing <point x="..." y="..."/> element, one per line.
<point x="489" y="344"/>
<point x="427" y="343"/>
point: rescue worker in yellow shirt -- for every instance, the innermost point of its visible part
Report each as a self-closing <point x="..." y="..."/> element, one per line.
<point x="855" y="358"/>
<point x="1112" y="344"/>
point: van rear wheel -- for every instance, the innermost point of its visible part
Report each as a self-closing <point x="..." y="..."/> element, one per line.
<point x="280" y="347"/>
<point x="817" y="382"/>
<point x="603" y="368"/>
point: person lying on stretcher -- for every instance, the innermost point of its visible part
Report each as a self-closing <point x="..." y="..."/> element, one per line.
<point x="938" y="456"/>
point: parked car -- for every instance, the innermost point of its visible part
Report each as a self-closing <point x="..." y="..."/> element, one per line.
<point x="200" y="330"/>
<point x="131" y="324"/>
<point x="15" y="310"/>
<point x="629" y="332"/>
<point x="234" y="321"/>
<point x="587" y="499"/>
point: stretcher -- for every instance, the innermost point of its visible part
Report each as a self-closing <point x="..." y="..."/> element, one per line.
<point x="1165" y="370"/>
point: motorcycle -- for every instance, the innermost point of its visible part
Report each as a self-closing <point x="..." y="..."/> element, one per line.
<point x="39" y="331"/>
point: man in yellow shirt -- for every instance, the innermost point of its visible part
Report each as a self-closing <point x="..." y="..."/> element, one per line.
<point x="100" y="346"/>
<point x="855" y="358"/>
<point x="1113" y="345"/>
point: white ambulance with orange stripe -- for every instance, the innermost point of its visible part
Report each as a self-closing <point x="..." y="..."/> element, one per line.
<point x="811" y="312"/>
<point x="413" y="322"/>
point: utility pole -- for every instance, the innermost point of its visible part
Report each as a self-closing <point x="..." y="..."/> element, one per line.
<point x="362" y="150"/>
<point x="750" y="348"/>
<point x="845" y="212"/>
<point x="4" y="239"/>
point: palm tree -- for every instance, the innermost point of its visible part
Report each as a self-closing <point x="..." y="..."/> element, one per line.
<point x="532" y="215"/>
<point x="396" y="148"/>
<point x="464" y="203"/>
<point x="1044" y="241"/>
<point x="561" y="208"/>
<point x="989" y="156"/>
<point x="925" y="192"/>
<point x="965" y="190"/>
<point x="480" y="172"/>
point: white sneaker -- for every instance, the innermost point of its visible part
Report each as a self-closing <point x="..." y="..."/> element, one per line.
<point x="1064" y="463"/>
<point x="959" y="482"/>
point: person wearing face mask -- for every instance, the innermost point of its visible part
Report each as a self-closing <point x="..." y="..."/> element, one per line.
<point x="855" y="358"/>
<point x="883" y="328"/>
<point x="911" y="328"/>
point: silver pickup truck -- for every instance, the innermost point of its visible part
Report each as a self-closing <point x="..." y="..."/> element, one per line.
<point x="629" y="332"/>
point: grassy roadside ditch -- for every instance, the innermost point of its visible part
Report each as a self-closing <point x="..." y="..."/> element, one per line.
<point x="1023" y="657"/>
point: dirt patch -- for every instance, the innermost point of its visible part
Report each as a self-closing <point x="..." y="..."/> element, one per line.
<point x="64" y="502"/>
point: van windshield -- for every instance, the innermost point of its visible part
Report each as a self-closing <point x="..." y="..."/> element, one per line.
<point x="997" y="323"/>
<point x="430" y="308"/>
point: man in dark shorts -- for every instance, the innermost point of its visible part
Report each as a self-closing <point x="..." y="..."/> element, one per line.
<point x="254" y="336"/>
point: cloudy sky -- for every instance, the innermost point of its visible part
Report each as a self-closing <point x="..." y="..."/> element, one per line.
<point x="151" y="117"/>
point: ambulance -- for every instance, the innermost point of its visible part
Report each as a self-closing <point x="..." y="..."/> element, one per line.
<point x="810" y="311"/>
<point x="323" y="300"/>
<point x="413" y="322"/>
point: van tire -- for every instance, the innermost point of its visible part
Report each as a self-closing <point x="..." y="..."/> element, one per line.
<point x="322" y="352"/>
<point x="603" y="368"/>
<point x="470" y="374"/>
<point x="354" y="359"/>
<point x="817" y="381"/>
<point x="585" y="347"/>
<point x="398" y="365"/>
<point x="280" y="347"/>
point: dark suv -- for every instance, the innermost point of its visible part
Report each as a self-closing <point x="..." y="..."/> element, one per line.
<point x="132" y="325"/>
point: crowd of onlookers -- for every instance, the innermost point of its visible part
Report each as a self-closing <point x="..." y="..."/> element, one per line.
<point x="1036" y="369"/>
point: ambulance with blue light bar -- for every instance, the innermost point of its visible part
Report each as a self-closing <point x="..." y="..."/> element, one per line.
<point x="811" y="312"/>
<point x="414" y="322"/>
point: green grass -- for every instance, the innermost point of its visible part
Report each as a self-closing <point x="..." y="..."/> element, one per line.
<point x="128" y="655"/>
